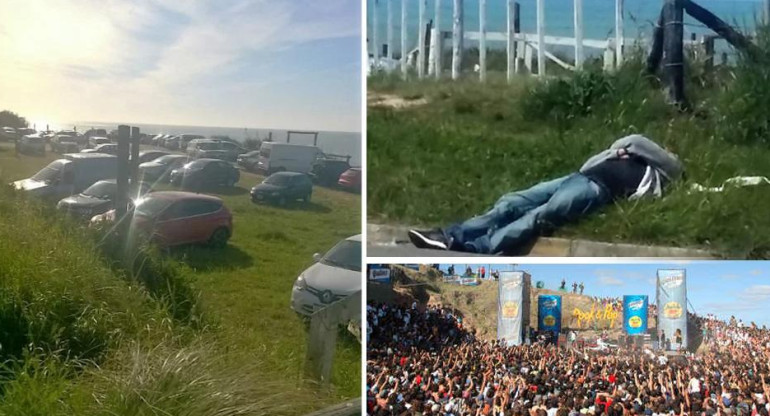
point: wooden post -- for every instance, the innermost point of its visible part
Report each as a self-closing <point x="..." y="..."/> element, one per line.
<point x="421" y="40"/>
<point x="673" y="55"/>
<point x="322" y="338"/>
<point x="404" y="46"/>
<point x="389" y="33"/>
<point x="541" y="37"/>
<point x="134" y="161"/>
<point x="718" y="25"/>
<point x="708" y="50"/>
<point x="619" y="40"/>
<point x="375" y="39"/>
<point x="510" y="47"/>
<point x="439" y="39"/>
<point x="579" y="34"/>
<point x="457" y="39"/>
<point x="656" y="52"/>
<point x="482" y="40"/>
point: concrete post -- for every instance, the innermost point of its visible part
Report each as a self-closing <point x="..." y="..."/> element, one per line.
<point x="375" y="38"/>
<point x="404" y="51"/>
<point x="482" y="40"/>
<point x="421" y="40"/>
<point x="511" y="43"/>
<point x="619" y="40"/>
<point x="457" y="38"/>
<point x="541" y="37"/>
<point x="437" y="31"/>
<point x="578" y="4"/>
<point x="389" y="32"/>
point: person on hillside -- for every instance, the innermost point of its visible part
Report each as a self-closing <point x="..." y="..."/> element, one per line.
<point x="563" y="285"/>
<point x="574" y="287"/>
<point x="581" y="288"/>
<point x="632" y="167"/>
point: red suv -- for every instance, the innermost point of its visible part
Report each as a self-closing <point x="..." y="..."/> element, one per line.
<point x="174" y="218"/>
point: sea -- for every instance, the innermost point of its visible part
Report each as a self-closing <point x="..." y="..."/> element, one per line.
<point x="333" y="142"/>
<point x="598" y="18"/>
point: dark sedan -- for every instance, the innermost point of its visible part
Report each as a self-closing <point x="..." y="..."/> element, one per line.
<point x="204" y="173"/>
<point x="282" y="187"/>
<point x="97" y="199"/>
<point x="160" y="168"/>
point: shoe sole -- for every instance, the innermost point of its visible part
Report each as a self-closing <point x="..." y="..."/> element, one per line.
<point x="432" y="243"/>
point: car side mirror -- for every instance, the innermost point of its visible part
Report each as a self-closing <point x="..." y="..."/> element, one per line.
<point x="317" y="257"/>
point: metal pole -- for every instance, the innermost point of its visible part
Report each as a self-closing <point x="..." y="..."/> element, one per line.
<point x="457" y="38"/>
<point x="439" y="39"/>
<point x="483" y="40"/>
<point x="404" y="52"/>
<point x="510" y="47"/>
<point x="421" y="37"/>
<point x="579" y="34"/>
<point x="619" y="40"/>
<point x="541" y="37"/>
<point x="390" y="30"/>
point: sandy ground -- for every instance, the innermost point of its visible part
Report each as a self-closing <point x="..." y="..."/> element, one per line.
<point x="392" y="100"/>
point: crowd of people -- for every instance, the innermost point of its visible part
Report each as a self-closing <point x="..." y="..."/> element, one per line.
<point x="424" y="361"/>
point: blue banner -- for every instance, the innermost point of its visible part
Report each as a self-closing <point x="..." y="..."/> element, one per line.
<point x="635" y="314"/>
<point x="672" y="309"/>
<point x="549" y="313"/>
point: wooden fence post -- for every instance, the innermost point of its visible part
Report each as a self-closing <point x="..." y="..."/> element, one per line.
<point x="708" y="50"/>
<point x="389" y="33"/>
<point x="457" y="39"/>
<point x="673" y="56"/>
<point x="121" y="197"/>
<point x="619" y="39"/>
<point x="134" y="161"/>
<point x="541" y="37"/>
<point x="375" y="39"/>
<point x="656" y="52"/>
<point x="482" y="40"/>
<point x="578" y="34"/>
<point x="404" y="46"/>
<point x="518" y="47"/>
<point x="421" y="40"/>
<point x="439" y="40"/>
<point x="322" y="338"/>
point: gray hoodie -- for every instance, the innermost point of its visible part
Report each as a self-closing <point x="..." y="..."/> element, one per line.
<point x="661" y="162"/>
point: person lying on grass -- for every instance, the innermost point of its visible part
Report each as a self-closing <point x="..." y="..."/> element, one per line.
<point x="633" y="166"/>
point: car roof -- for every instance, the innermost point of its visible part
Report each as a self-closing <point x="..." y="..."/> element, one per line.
<point x="93" y="155"/>
<point x="147" y="152"/>
<point x="288" y="174"/>
<point x="356" y="237"/>
<point x="181" y="195"/>
<point x="207" y="160"/>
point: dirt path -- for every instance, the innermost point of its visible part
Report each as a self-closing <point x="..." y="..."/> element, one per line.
<point x="375" y="99"/>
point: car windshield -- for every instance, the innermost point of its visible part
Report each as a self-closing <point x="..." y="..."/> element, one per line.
<point x="151" y="207"/>
<point x="278" y="180"/>
<point x="346" y="254"/>
<point x="101" y="190"/>
<point x="50" y="172"/>
<point x="165" y="160"/>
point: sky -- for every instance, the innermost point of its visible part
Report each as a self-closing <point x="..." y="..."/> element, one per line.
<point x="724" y="288"/>
<point x="230" y="63"/>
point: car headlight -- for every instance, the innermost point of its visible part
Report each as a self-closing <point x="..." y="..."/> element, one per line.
<point x="300" y="283"/>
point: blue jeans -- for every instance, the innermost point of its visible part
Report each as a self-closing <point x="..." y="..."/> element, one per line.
<point x="519" y="216"/>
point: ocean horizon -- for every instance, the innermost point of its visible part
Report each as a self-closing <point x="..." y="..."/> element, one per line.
<point x="333" y="142"/>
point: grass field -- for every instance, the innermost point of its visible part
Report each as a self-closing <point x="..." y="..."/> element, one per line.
<point x="451" y="157"/>
<point x="245" y="288"/>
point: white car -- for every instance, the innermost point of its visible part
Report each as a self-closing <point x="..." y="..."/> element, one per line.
<point x="334" y="276"/>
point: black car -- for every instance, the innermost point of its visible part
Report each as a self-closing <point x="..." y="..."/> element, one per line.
<point x="203" y="173"/>
<point x="283" y="186"/>
<point x="327" y="172"/>
<point x="97" y="199"/>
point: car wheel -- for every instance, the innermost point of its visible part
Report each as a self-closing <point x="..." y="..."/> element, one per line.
<point x="219" y="238"/>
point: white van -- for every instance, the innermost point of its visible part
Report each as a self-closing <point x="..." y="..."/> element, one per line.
<point x="278" y="157"/>
<point x="70" y="175"/>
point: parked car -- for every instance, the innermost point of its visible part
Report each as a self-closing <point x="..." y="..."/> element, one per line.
<point x="95" y="133"/>
<point x="327" y="171"/>
<point x="97" y="199"/>
<point x="351" y="180"/>
<point x="69" y="175"/>
<point x="204" y="173"/>
<point x="150" y="155"/>
<point x="171" y="143"/>
<point x="279" y="157"/>
<point x="334" y="276"/>
<point x="282" y="187"/>
<point x="32" y="144"/>
<point x="94" y="141"/>
<point x="108" y="148"/>
<point x="158" y="170"/>
<point x="248" y="160"/>
<point x="214" y="149"/>
<point x="184" y="139"/>
<point x="8" y="133"/>
<point x="25" y="131"/>
<point x="173" y="218"/>
<point x="66" y="141"/>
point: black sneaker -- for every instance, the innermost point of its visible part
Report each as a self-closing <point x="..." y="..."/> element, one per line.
<point x="434" y="239"/>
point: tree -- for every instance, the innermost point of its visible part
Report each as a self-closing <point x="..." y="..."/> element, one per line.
<point x="11" y="119"/>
